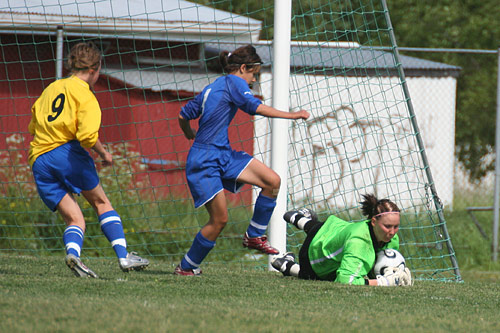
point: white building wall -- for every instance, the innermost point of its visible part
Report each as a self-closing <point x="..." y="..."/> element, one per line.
<point x="359" y="138"/>
<point x="434" y="102"/>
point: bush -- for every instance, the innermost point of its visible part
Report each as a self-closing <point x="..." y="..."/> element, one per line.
<point x="155" y="225"/>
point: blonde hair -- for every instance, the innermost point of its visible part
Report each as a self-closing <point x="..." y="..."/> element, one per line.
<point x="84" y="56"/>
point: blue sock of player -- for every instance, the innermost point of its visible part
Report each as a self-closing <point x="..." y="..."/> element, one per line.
<point x="264" y="207"/>
<point x="111" y="226"/>
<point x="198" y="251"/>
<point x="73" y="240"/>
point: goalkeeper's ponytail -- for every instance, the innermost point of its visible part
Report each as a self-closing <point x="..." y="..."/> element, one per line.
<point x="83" y="57"/>
<point x="371" y="206"/>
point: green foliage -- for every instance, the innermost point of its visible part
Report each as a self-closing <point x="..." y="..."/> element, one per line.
<point x="471" y="24"/>
<point x="155" y="224"/>
<point x="473" y="251"/>
<point x="41" y="294"/>
<point x="318" y="20"/>
<point x="25" y="223"/>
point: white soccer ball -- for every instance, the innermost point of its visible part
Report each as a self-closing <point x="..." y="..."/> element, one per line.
<point x="388" y="258"/>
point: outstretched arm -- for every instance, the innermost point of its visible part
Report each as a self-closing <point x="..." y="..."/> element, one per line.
<point x="270" y="112"/>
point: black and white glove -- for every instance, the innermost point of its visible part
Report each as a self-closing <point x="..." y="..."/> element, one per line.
<point x="395" y="276"/>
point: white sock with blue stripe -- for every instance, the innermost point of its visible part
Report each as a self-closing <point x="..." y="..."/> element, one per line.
<point x="73" y="240"/>
<point x="111" y="226"/>
<point x="264" y="207"/>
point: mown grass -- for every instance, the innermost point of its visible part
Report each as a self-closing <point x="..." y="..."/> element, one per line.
<point x="473" y="251"/>
<point x="40" y="294"/>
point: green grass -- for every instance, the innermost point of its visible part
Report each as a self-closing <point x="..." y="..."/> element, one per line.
<point x="42" y="295"/>
<point x="473" y="252"/>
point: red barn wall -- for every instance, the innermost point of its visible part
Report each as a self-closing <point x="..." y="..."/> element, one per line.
<point x="144" y="119"/>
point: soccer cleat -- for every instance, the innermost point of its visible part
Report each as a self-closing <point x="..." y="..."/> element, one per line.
<point x="78" y="268"/>
<point x="187" y="272"/>
<point x="311" y="214"/>
<point x="292" y="215"/>
<point x="259" y="243"/>
<point x="281" y="264"/>
<point x="290" y="256"/>
<point x="133" y="262"/>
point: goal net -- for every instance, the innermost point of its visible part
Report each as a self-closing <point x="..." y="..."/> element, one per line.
<point x="362" y="136"/>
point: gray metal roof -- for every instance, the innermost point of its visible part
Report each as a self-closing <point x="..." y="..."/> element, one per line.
<point x="350" y="60"/>
<point x="160" y="80"/>
<point x="156" y="10"/>
<point x="156" y="19"/>
<point x="186" y="21"/>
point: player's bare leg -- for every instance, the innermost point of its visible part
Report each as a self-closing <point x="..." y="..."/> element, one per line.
<point x="258" y="174"/>
<point x="204" y="241"/>
<point x="111" y="226"/>
<point x="73" y="235"/>
<point x="217" y="210"/>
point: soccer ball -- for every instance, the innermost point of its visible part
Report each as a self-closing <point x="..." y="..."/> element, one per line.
<point x="388" y="258"/>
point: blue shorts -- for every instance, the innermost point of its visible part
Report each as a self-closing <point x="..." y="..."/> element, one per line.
<point x="209" y="170"/>
<point x="66" y="169"/>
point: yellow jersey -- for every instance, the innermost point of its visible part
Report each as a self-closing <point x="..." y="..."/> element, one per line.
<point x="67" y="110"/>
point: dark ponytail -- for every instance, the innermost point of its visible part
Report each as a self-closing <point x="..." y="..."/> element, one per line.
<point x="371" y="206"/>
<point x="244" y="55"/>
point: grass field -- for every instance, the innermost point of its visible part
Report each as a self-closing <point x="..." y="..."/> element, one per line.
<point x="42" y="295"/>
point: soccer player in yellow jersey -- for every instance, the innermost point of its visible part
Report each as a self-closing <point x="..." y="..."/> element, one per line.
<point x="65" y="120"/>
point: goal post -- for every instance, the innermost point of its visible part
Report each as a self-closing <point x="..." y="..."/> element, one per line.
<point x="279" y="132"/>
<point x="437" y="202"/>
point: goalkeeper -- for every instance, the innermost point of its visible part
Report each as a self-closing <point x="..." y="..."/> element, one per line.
<point x="66" y="119"/>
<point x="344" y="252"/>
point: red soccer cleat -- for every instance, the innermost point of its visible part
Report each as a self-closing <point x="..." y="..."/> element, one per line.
<point x="187" y="272"/>
<point x="259" y="243"/>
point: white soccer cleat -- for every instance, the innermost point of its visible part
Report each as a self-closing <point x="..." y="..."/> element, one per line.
<point x="133" y="262"/>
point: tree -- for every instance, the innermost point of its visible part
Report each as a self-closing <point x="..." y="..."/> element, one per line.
<point x="469" y="24"/>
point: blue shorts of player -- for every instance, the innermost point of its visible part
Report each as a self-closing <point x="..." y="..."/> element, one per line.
<point x="66" y="169"/>
<point x="210" y="169"/>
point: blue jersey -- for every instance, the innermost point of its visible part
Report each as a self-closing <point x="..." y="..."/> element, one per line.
<point x="216" y="106"/>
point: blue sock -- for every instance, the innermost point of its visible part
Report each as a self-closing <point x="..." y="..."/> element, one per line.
<point x="73" y="240"/>
<point x="264" y="207"/>
<point x="198" y="251"/>
<point x="111" y="226"/>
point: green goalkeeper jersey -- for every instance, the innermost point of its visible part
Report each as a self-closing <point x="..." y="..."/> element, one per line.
<point x="346" y="250"/>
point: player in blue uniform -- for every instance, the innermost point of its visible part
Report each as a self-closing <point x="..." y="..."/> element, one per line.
<point x="212" y="165"/>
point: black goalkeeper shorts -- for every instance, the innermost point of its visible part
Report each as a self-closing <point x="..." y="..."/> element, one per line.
<point x="306" y="272"/>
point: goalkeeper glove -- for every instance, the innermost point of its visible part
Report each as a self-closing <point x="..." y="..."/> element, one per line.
<point x="406" y="277"/>
<point x="393" y="277"/>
